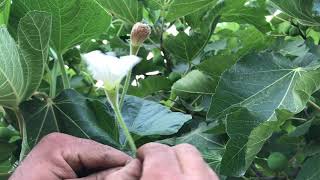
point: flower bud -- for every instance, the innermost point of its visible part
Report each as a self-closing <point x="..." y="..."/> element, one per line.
<point x="140" y="32"/>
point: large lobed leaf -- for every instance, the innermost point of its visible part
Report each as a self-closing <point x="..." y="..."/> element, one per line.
<point x="310" y="169"/>
<point x="306" y="11"/>
<point x="180" y="8"/>
<point x="69" y="113"/>
<point x="255" y="96"/>
<point x="208" y="144"/>
<point x="195" y="83"/>
<point x="128" y="10"/>
<point x="187" y="47"/>
<point x="246" y="12"/>
<point x="74" y="114"/>
<point x="146" y="118"/>
<point x="22" y="66"/>
<point x="175" y="9"/>
<point x="73" y="21"/>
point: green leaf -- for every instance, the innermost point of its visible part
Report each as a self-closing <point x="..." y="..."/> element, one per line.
<point x="11" y="71"/>
<point x="301" y="130"/>
<point x="73" y="21"/>
<point x="237" y="42"/>
<point x="306" y="11"/>
<point x="128" y="10"/>
<point x="146" y="118"/>
<point x="258" y="94"/>
<point x="216" y="65"/>
<point x="5" y="168"/>
<point x="7" y="148"/>
<point x="69" y="113"/>
<point x="150" y="85"/>
<point x="188" y="47"/>
<point x="33" y="38"/>
<point x="180" y="8"/>
<point x="246" y="12"/>
<point x="195" y="83"/>
<point x="310" y="169"/>
<point x="4" y="11"/>
<point x="22" y="66"/>
<point x="205" y="142"/>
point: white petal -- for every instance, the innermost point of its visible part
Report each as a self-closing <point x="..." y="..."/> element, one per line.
<point x="109" y="69"/>
<point x="124" y="65"/>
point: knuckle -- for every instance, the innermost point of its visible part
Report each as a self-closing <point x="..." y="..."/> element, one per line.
<point x="188" y="147"/>
<point x="152" y="146"/>
<point x="54" y="138"/>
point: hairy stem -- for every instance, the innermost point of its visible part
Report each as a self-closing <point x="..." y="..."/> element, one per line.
<point x="113" y="99"/>
<point x="65" y="79"/>
<point x="23" y="132"/>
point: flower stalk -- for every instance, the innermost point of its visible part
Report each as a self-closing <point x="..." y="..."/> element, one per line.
<point x="113" y="98"/>
<point x="140" y="32"/>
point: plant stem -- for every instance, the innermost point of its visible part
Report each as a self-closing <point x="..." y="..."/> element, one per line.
<point x="133" y="51"/>
<point x="313" y="104"/>
<point x="23" y="132"/>
<point x="114" y="101"/>
<point x="125" y="88"/>
<point x="65" y="79"/>
<point x="4" y="15"/>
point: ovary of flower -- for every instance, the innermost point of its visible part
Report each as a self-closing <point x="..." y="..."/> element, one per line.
<point x="109" y="69"/>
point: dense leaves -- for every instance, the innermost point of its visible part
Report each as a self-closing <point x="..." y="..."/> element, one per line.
<point x="244" y="93"/>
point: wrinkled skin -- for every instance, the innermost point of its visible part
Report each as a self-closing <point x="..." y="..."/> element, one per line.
<point x="63" y="157"/>
<point x="182" y="162"/>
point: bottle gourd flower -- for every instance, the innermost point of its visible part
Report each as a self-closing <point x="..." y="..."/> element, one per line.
<point x="111" y="70"/>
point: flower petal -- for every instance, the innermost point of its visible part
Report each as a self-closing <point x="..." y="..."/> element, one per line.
<point x="109" y="69"/>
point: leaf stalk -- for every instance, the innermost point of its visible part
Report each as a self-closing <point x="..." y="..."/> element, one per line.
<point x="65" y="79"/>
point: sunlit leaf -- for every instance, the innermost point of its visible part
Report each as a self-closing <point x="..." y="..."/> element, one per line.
<point x="257" y="94"/>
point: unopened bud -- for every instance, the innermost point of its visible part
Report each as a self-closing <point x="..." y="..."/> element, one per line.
<point x="140" y="32"/>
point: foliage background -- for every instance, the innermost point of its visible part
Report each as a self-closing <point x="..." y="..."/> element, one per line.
<point x="238" y="79"/>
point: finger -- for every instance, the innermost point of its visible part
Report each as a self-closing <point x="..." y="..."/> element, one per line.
<point x="158" y="161"/>
<point x="82" y="154"/>
<point x="191" y="160"/>
<point x="88" y="154"/>
<point x="131" y="171"/>
<point x="99" y="175"/>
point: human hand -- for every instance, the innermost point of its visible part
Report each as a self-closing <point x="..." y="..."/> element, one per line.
<point x="182" y="162"/>
<point x="63" y="157"/>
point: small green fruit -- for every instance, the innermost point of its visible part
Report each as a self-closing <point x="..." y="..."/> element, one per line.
<point x="174" y="76"/>
<point x="277" y="161"/>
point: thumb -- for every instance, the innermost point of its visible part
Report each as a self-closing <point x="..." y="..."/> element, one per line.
<point x="131" y="171"/>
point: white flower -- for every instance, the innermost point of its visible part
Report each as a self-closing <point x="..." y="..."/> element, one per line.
<point x="109" y="69"/>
